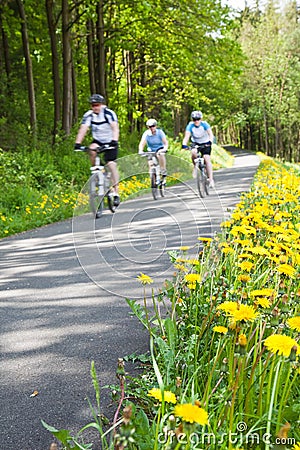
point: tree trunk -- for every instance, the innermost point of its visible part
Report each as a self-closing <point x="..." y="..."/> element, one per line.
<point x="67" y="69"/>
<point x="29" y="72"/>
<point x="91" y="59"/>
<point x="101" y="49"/>
<point x="55" y="66"/>
<point x="5" y="52"/>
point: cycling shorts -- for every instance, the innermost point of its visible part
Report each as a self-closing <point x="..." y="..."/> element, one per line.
<point x="109" y="155"/>
<point x="205" y="148"/>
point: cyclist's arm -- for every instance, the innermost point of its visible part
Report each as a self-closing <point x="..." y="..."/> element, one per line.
<point x="186" y="138"/>
<point x="210" y="134"/>
<point x="81" y="133"/>
<point x="115" y="131"/>
<point x="142" y="145"/>
<point x="165" y="142"/>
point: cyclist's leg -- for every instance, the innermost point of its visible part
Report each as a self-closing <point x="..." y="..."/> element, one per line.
<point x="209" y="169"/>
<point x="110" y="158"/>
<point x="162" y="163"/>
<point x="93" y="154"/>
<point x="194" y="155"/>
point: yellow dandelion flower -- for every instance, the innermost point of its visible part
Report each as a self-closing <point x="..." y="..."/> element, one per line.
<point x="228" y="307"/>
<point x="204" y="239"/>
<point x="244" y="278"/>
<point x="192" y="286"/>
<point x="246" y="265"/>
<point x="294" y="323"/>
<point x="191" y="413"/>
<point x="242" y="339"/>
<point x="286" y="269"/>
<point x="281" y="344"/>
<point x="169" y="397"/>
<point x="220" y="329"/>
<point x="144" y="279"/>
<point x="263" y="302"/>
<point x="184" y="248"/>
<point x="296" y="446"/>
<point x="245" y="313"/>
<point x="181" y="267"/>
<point x="266" y="292"/>
<point x="227" y="250"/>
<point x="192" y="278"/>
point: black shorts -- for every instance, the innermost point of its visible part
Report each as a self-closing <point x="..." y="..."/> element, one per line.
<point x="109" y="155"/>
<point x="204" y="149"/>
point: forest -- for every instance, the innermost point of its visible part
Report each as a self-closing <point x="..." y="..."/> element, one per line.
<point x="151" y="59"/>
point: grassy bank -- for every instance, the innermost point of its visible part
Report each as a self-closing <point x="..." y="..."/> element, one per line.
<point x="44" y="186"/>
<point x="223" y="370"/>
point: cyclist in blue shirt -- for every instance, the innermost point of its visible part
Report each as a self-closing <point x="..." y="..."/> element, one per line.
<point x="156" y="140"/>
<point x="200" y="132"/>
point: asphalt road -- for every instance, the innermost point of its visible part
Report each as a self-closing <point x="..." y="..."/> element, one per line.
<point x="63" y="290"/>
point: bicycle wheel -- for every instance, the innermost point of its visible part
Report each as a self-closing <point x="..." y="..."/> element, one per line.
<point x="154" y="185"/>
<point x="110" y="201"/>
<point x="162" y="187"/>
<point x="95" y="199"/>
<point x="201" y="182"/>
<point x="206" y="184"/>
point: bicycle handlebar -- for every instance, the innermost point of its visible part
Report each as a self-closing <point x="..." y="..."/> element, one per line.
<point x="100" y="149"/>
<point x="153" y="153"/>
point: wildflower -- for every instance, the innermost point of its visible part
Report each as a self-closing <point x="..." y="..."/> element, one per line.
<point x="266" y="292"/>
<point x="144" y="279"/>
<point x="296" y="446"/>
<point x="181" y="267"/>
<point x="191" y="413"/>
<point x="245" y="313"/>
<point x="294" y="323"/>
<point x="242" y="340"/>
<point x="220" y="329"/>
<point x="204" y="239"/>
<point x="246" y="265"/>
<point x="169" y="397"/>
<point x="184" y="248"/>
<point x="244" y="278"/>
<point x="286" y="269"/>
<point x="192" y="278"/>
<point x="263" y="302"/>
<point x="227" y="250"/>
<point x="228" y="307"/>
<point x="281" y="344"/>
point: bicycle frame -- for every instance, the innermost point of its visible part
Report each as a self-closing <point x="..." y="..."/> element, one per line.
<point x="156" y="179"/>
<point x="202" y="179"/>
<point x="99" y="183"/>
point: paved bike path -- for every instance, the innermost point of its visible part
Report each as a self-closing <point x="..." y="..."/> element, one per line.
<point x="62" y="300"/>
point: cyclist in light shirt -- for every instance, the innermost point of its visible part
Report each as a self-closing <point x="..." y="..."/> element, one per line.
<point x="104" y="125"/>
<point x="200" y="132"/>
<point x="156" y="140"/>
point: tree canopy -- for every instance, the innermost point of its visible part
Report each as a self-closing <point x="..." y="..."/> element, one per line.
<point x="151" y="59"/>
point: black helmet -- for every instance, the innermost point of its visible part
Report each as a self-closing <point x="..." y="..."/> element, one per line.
<point x="97" y="98"/>
<point x="196" y="115"/>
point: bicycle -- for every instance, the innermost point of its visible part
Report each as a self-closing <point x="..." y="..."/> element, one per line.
<point x="99" y="183"/>
<point x="201" y="175"/>
<point x="157" y="180"/>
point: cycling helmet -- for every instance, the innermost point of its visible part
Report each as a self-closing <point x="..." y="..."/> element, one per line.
<point x="196" y="115"/>
<point x="151" y="123"/>
<point x="97" y="98"/>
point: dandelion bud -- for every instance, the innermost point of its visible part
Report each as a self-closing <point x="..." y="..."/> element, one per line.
<point x="293" y="354"/>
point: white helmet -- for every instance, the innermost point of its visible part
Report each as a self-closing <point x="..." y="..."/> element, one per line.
<point x="196" y="115"/>
<point x="151" y="123"/>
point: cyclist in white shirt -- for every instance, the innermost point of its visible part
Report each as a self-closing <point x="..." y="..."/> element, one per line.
<point x="105" y="130"/>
